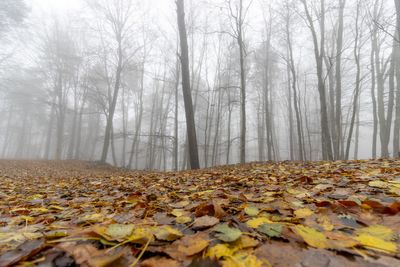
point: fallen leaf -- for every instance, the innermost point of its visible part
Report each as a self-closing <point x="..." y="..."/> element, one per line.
<point x="204" y="222"/>
<point x="376" y="243"/>
<point x="167" y="233"/>
<point x="303" y="213"/>
<point x="226" y="233"/>
<point x="271" y="229"/>
<point x="252" y="211"/>
<point x="311" y="236"/>
<point x="256" y="222"/>
<point x="22" y="252"/>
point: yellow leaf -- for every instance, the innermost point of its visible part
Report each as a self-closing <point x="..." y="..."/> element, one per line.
<point x="178" y="212"/>
<point x="312" y="237"/>
<point x="40" y="210"/>
<point x="219" y="251"/>
<point x="244" y="242"/>
<point x="376" y="243"/>
<point x="95" y="217"/>
<point x="303" y="213"/>
<point x="183" y="219"/>
<point x="395" y="191"/>
<point x="325" y="223"/>
<point x="256" y="222"/>
<point x="241" y="260"/>
<point x="252" y="211"/>
<point x="141" y="235"/>
<point x="27" y="218"/>
<point x="119" y="231"/>
<point x="167" y="233"/>
<point x="55" y="207"/>
<point x="378" y="231"/>
<point x="378" y="184"/>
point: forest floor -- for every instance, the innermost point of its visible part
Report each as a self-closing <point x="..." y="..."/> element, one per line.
<point x="279" y="214"/>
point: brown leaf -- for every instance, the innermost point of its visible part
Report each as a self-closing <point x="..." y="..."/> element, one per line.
<point x="160" y="262"/>
<point x="205" y="222"/>
<point x="188" y="246"/>
<point x="22" y="252"/>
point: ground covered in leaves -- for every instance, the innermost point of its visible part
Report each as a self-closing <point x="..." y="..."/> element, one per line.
<point x="279" y="214"/>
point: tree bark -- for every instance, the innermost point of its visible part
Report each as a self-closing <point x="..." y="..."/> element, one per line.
<point x="187" y="97"/>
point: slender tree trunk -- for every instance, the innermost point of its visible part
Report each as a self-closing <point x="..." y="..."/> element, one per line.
<point x="79" y="130"/>
<point x="374" y="106"/>
<point x="338" y="74"/>
<point x="357" y="137"/>
<point x="228" y="148"/>
<point x="176" y="132"/>
<point x="187" y="97"/>
<point x="7" y="135"/>
<point x="242" y="101"/>
<point x="290" y="111"/>
<point x="295" y="97"/>
<point x="396" y="133"/>
<point x="356" y="53"/>
<point x="61" y="117"/>
<point x="113" y="103"/>
<point x="319" y="53"/>
<point x="73" y="130"/>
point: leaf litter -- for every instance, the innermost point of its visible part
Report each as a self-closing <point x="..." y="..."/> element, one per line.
<point x="275" y="214"/>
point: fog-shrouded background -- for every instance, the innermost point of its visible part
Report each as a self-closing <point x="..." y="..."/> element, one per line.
<point x="321" y="80"/>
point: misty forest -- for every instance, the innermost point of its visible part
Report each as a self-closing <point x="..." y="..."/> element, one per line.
<point x="240" y="133"/>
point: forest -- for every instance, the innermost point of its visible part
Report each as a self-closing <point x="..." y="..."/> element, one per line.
<point x="200" y="133"/>
<point x="268" y="81"/>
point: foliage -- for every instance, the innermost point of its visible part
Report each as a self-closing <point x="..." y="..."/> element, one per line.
<point x="277" y="214"/>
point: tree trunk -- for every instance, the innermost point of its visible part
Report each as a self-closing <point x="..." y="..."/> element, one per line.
<point x="356" y="53"/>
<point x="113" y="103"/>
<point x="319" y="53"/>
<point x="190" y="124"/>
<point x="338" y="74"/>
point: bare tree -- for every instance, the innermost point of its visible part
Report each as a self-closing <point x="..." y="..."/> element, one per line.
<point x="238" y="13"/>
<point x="319" y="53"/>
<point x="117" y="16"/>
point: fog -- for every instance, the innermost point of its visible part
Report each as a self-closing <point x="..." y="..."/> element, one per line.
<point x="141" y="85"/>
